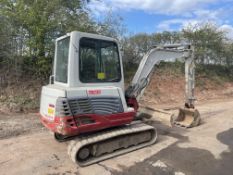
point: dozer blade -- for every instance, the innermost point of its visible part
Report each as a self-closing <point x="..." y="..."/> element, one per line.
<point x="187" y="118"/>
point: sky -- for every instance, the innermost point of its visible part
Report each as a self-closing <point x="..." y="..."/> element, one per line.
<point x="149" y="16"/>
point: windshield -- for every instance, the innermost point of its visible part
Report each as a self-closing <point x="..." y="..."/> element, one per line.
<point x="99" y="61"/>
<point x="62" y="60"/>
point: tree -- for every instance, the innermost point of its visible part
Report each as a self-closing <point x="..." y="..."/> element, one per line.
<point x="4" y="41"/>
<point x="112" y="25"/>
<point x="35" y="24"/>
<point x="208" y="41"/>
<point x="228" y="54"/>
<point x="136" y="46"/>
<point x="44" y="20"/>
<point x="166" y="37"/>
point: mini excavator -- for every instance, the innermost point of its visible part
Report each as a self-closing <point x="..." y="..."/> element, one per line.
<point x="87" y="104"/>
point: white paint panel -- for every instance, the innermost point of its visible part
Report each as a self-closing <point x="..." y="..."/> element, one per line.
<point x="74" y="93"/>
<point x="53" y="91"/>
<point x="102" y="92"/>
<point x="49" y="95"/>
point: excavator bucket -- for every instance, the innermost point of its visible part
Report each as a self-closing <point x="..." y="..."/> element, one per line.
<point x="187" y="117"/>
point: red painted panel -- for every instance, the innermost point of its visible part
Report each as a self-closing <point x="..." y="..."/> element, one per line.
<point x="69" y="125"/>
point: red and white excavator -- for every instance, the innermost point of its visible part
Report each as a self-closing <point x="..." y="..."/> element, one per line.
<point x="86" y="101"/>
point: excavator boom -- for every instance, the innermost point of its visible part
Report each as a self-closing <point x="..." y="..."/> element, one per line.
<point x="169" y="53"/>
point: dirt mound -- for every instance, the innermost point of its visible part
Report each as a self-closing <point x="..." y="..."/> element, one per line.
<point x="169" y="88"/>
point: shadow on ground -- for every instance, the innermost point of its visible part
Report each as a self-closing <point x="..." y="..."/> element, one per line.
<point x="191" y="161"/>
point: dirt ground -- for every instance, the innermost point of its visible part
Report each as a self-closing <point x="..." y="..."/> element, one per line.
<point x="27" y="148"/>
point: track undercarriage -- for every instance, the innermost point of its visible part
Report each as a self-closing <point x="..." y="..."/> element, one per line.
<point x="102" y="145"/>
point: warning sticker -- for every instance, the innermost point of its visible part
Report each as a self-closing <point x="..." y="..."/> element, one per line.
<point x="51" y="112"/>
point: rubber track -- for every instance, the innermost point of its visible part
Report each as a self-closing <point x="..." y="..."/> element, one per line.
<point x="75" y="145"/>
